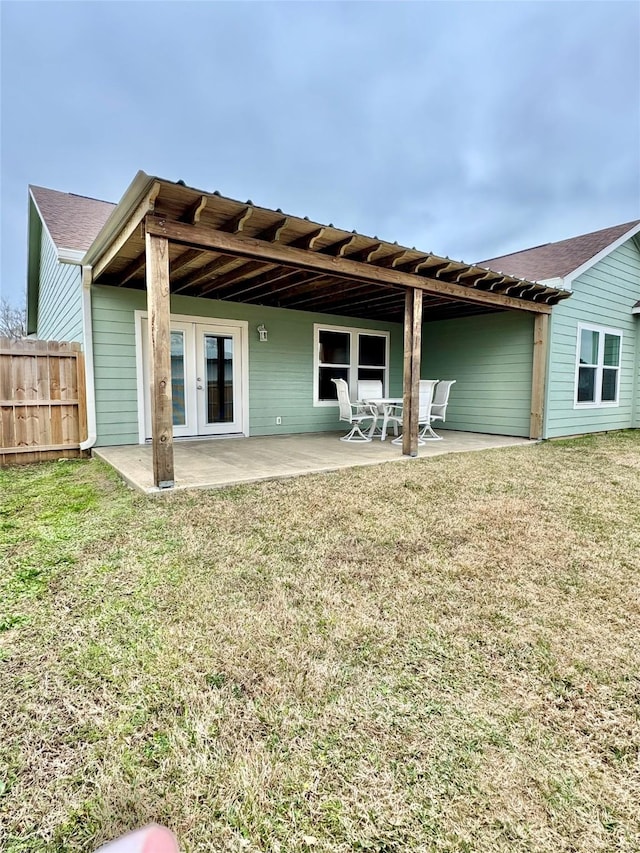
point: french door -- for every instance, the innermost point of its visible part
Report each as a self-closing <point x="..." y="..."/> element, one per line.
<point x="207" y="375"/>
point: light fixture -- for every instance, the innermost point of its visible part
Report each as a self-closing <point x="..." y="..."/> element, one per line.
<point x="263" y="333"/>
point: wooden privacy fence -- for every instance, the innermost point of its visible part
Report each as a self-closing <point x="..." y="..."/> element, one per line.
<point x="42" y="400"/>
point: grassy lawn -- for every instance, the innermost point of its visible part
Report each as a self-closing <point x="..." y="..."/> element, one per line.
<point x="435" y="656"/>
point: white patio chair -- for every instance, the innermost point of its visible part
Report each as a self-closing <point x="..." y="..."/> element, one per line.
<point x="370" y="389"/>
<point x="425" y="400"/>
<point x="354" y="414"/>
<point x="438" y="409"/>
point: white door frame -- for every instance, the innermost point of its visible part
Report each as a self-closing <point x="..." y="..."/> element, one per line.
<point x="181" y="321"/>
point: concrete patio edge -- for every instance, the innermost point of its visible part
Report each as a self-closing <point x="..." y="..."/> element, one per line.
<point x="223" y="463"/>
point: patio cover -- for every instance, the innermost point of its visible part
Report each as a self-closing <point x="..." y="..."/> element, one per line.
<point x="170" y="238"/>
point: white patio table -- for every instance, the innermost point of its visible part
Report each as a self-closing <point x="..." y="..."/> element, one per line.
<point x="383" y="406"/>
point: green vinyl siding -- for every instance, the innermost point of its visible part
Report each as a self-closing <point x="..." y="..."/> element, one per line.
<point x="602" y="296"/>
<point x="60" y="296"/>
<point x="491" y="357"/>
<point x="636" y="392"/>
<point x="280" y="370"/>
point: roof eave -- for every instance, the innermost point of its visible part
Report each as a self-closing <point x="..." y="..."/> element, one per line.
<point x="70" y="256"/>
<point x="112" y="227"/>
<point x="36" y="225"/>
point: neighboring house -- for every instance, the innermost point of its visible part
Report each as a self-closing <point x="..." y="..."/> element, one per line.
<point x="62" y="226"/>
<point x="594" y="341"/>
<point x="210" y="271"/>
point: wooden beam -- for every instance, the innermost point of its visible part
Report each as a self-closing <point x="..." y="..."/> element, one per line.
<point x="132" y="270"/>
<point x="193" y="213"/>
<point x="157" y="250"/>
<point x="391" y="261"/>
<point x="545" y="293"/>
<point x="366" y="255"/>
<point x="539" y="374"/>
<point x="471" y="278"/>
<point x="296" y="280"/>
<point x="204" y="272"/>
<point x="266" y="280"/>
<point x="146" y="206"/>
<point x="237" y="222"/>
<point x="231" y="276"/>
<point x="273" y="232"/>
<point x="499" y="284"/>
<point x="448" y="267"/>
<point x="415" y="266"/>
<point x="345" y="304"/>
<point x="301" y="298"/>
<point x="411" y="375"/>
<point x="340" y="247"/>
<point x="184" y="259"/>
<point x="277" y="253"/>
<point x="307" y="241"/>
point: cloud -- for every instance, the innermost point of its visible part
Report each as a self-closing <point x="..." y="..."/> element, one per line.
<point x="467" y="129"/>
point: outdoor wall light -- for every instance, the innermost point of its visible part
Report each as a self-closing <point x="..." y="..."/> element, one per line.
<point x="263" y="333"/>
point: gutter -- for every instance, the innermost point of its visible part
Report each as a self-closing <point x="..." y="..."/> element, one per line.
<point x="70" y="256"/>
<point x="87" y="334"/>
<point x="112" y="227"/>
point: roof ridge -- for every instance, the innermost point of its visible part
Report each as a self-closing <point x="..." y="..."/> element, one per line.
<point x="92" y="198"/>
<point x="562" y="257"/>
<point x="628" y="225"/>
<point x="74" y="195"/>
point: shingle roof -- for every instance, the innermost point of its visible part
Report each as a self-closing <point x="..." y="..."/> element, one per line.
<point x="557" y="259"/>
<point x="73" y="221"/>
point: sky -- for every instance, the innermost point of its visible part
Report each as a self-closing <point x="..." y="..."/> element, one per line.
<point x="468" y="129"/>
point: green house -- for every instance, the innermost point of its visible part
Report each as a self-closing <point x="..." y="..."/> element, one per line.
<point x="594" y="342"/>
<point x="252" y="312"/>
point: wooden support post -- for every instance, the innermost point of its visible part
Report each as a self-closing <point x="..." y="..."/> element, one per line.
<point x="411" y="379"/>
<point x="539" y="373"/>
<point x="157" y="251"/>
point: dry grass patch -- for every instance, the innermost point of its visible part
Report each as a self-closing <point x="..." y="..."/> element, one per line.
<point x="441" y="655"/>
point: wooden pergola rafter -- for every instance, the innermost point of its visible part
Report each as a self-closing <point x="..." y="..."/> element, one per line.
<point x="172" y="239"/>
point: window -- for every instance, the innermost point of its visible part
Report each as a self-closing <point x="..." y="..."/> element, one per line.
<point x="598" y="366"/>
<point x="349" y="354"/>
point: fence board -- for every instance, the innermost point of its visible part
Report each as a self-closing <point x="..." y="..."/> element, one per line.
<point x="42" y="400"/>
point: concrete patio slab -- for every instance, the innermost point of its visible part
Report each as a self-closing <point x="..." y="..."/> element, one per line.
<point x="216" y="463"/>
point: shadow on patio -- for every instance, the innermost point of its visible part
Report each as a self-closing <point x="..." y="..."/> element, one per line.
<point x="214" y="463"/>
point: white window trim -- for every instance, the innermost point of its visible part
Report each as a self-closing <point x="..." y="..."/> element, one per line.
<point x="354" y="331"/>
<point x="597" y="404"/>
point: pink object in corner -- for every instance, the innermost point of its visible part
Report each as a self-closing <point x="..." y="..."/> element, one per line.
<point x="150" y="839"/>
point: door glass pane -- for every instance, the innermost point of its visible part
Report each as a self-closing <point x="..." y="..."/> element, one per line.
<point x="177" y="378"/>
<point x="586" y="385"/>
<point x="611" y="350"/>
<point x="371" y="350"/>
<point x="609" y="385"/>
<point x="588" y="347"/>
<point x="218" y="353"/>
<point x="334" y="348"/>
